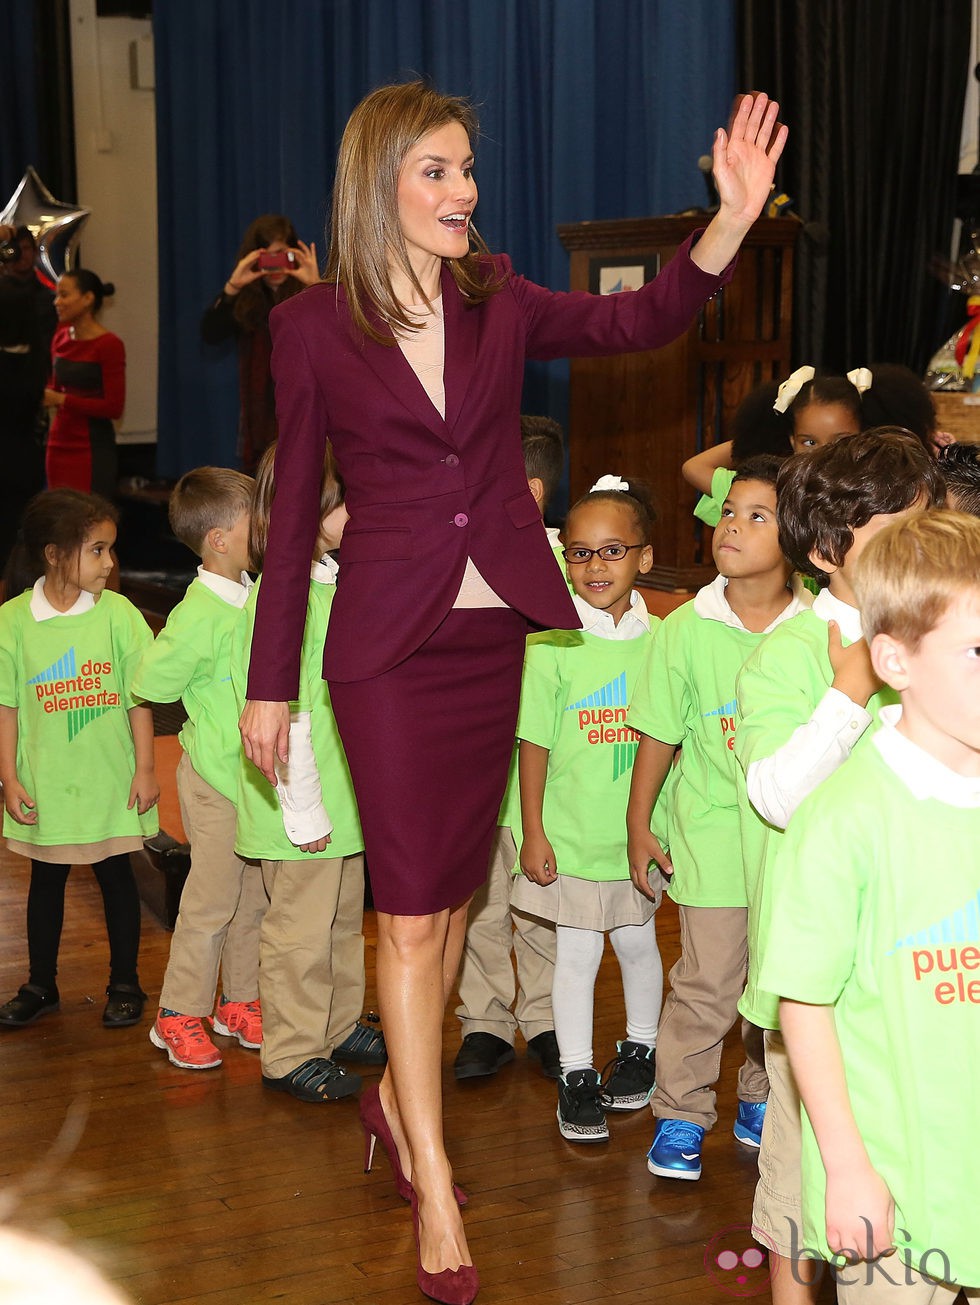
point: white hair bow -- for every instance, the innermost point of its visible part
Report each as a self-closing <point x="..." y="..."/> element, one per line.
<point x="861" y="379"/>
<point x="611" y="482"/>
<point x="791" y="387"/>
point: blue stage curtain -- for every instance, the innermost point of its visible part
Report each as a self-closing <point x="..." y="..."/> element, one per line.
<point x="18" y="116"/>
<point x="588" y="108"/>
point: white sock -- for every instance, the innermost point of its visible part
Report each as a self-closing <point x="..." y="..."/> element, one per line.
<point x="643" y="979"/>
<point x="577" y="958"/>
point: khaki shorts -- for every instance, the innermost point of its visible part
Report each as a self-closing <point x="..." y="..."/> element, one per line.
<point x="777" y="1209"/>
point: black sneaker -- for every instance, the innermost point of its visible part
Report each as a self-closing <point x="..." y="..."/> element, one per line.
<point x="544" y="1049"/>
<point x="629" y="1079"/>
<point x="580" y="1114"/>
<point x="481" y="1055"/>
<point x="30" y="1003"/>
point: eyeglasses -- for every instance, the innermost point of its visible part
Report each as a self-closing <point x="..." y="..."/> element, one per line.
<point x="610" y="553"/>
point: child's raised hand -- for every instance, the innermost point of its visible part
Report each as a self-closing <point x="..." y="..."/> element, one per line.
<point x="860" y="1214"/>
<point x="853" y="673"/>
<point x="144" y="792"/>
<point x="538" y="860"/>
<point x="642" y="851"/>
<point x="15" y="800"/>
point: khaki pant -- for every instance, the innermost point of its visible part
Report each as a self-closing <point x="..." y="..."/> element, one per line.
<point x="778" y="1206"/>
<point x="487" y="986"/>
<point x="221" y="906"/>
<point x="312" y="958"/>
<point x="701" y="1007"/>
<point x="864" y="1284"/>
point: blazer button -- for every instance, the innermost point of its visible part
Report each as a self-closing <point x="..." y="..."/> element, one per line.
<point x="452" y="460"/>
<point x="461" y="519"/>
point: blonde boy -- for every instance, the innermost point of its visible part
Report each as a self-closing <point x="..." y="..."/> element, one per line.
<point x="874" y="941"/>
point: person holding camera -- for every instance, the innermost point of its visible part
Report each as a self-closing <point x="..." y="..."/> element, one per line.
<point x="273" y="264"/>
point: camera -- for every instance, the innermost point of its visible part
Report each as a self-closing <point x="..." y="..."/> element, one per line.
<point x="284" y="260"/>
<point x="9" y="252"/>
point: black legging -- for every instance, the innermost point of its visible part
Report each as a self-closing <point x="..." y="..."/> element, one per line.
<point x="46" y="913"/>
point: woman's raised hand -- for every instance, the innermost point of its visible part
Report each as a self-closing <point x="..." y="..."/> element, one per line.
<point x="246" y="271"/>
<point x="744" y="158"/>
<point x="306" y="269"/>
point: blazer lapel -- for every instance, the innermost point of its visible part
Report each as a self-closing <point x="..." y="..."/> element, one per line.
<point x="389" y="365"/>
<point x="462" y="334"/>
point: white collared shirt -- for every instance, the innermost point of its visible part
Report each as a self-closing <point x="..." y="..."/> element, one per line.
<point x="632" y="624"/>
<point x="234" y="592"/>
<point x="42" y="610"/>
<point x="711" y="603"/>
<point x="922" y="773"/>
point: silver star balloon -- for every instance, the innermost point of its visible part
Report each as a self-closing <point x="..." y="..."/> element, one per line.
<point x="54" y="225"/>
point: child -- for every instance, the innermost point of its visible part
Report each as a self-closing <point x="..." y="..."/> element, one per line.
<point x="311" y="949"/>
<point x="873" y="937"/>
<point x="806" y="411"/>
<point x="686" y="697"/>
<point x="806" y="698"/>
<point x="76" y="752"/>
<point x="960" y="465"/>
<point x="222" y="903"/>
<point x="493" y="929"/>
<point x="576" y="752"/>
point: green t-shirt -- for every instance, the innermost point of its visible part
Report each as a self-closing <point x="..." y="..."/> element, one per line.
<point x="190" y="659"/>
<point x="260" y="832"/>
<point x="686" y="695"/>
<point x="777" y="690"/>
<point x="70" y="679"/>
<point x="876" y="914"/>
<point x="708" y="507"/>
<point x="574" y="697"/>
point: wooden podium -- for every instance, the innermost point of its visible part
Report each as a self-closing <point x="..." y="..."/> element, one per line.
<point x="646" y="413"/>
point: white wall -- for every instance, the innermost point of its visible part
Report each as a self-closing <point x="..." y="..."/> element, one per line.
<point x="115" y="154"/>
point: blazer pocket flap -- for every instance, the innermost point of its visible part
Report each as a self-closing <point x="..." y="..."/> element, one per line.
<point x="522" y="510"/>
<point x="379" y="544"/>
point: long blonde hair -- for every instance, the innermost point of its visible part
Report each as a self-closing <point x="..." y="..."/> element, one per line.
<point x="365" y="232"/>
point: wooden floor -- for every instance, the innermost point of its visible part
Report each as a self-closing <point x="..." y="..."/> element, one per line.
<point x="205" y="1187"/>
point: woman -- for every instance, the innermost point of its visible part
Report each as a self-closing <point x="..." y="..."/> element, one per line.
<point x="242" y="311"/>
<point x="410" y="358"/>
<point x="87" y="390"/>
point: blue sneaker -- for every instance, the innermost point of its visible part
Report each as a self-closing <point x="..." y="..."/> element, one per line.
<point x="676" y="1150"/>
<point x="748" y="1122"/>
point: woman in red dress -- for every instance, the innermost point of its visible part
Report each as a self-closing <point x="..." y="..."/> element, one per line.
<point x="87" y="389"/>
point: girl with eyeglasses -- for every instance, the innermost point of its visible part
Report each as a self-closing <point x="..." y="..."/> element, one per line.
<point x="576" y="755"/>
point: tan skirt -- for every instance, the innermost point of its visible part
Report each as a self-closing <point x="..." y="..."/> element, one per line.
<point x="582" y="903"/>
<point x="77" y="853"/>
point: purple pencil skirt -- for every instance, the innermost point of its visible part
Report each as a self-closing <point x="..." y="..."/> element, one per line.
<point x="429" y="744"/>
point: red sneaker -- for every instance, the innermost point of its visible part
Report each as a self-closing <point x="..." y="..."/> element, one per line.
<point x="184" y="1040"/>
<point x="241" y="1020"/>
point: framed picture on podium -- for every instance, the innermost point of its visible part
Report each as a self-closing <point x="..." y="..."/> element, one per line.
<point x="610" y="276"/>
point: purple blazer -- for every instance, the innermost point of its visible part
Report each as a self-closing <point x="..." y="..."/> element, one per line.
<point x="423" y="492"/>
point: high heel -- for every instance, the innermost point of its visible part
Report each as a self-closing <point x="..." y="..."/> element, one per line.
<point x="375" y="1125"/>
<point x="372" y="1116"/>
<point x="448" y="1286"/>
